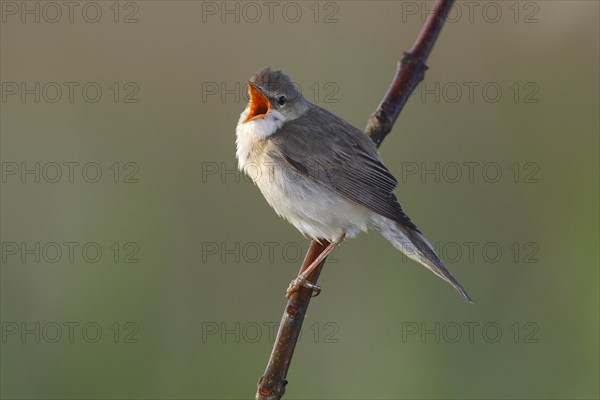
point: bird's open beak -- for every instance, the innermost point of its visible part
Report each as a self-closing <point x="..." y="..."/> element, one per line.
<point x="259" y="104"/>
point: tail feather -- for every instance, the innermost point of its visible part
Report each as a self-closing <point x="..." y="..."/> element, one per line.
<point x="412" y="243"/>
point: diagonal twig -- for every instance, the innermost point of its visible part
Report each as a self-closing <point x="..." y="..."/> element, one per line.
<point x="410" y="71"/>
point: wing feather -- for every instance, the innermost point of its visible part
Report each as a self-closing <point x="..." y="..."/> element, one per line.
<point x="342" y="158"/>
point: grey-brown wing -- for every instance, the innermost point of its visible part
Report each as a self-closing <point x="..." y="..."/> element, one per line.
<point x="341" y="158"/>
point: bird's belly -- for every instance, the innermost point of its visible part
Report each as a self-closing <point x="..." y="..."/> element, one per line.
<point x="313" y="209"/>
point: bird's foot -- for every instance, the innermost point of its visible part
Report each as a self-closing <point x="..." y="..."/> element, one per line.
<point x="299" y="282"/>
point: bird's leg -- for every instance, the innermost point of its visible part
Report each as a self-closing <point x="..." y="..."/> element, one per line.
<point x="301" y="279"/>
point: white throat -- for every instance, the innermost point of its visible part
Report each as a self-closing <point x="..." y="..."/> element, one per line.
<point x="251" y="132"/>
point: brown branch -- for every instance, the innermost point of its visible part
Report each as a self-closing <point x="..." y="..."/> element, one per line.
<point x="409" y="73"/>
<point x="272" y="384"/>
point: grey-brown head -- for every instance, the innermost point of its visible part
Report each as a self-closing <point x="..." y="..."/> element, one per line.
<point x="273" y="89"/>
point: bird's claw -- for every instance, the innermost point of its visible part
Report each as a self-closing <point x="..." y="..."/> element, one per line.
<point x="316" y="289"/>
<point x="302" y="282"/>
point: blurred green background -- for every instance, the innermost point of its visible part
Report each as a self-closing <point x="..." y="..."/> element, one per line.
<point x="183" y="300"/>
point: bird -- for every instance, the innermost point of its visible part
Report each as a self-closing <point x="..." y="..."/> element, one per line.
<point x="323" y="175"/>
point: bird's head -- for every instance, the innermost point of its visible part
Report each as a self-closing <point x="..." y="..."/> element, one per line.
<point x="273" y="94"/>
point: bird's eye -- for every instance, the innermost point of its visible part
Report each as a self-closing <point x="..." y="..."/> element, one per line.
<point x="281" y="101"/>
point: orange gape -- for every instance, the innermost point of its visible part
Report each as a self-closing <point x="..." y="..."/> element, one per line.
<point x="259" y="104"/>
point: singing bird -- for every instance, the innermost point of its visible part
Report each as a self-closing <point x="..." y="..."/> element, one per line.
<point x="322" y="174"/>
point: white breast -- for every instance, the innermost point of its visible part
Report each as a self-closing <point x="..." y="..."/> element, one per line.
<point x="250" y="133"/>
